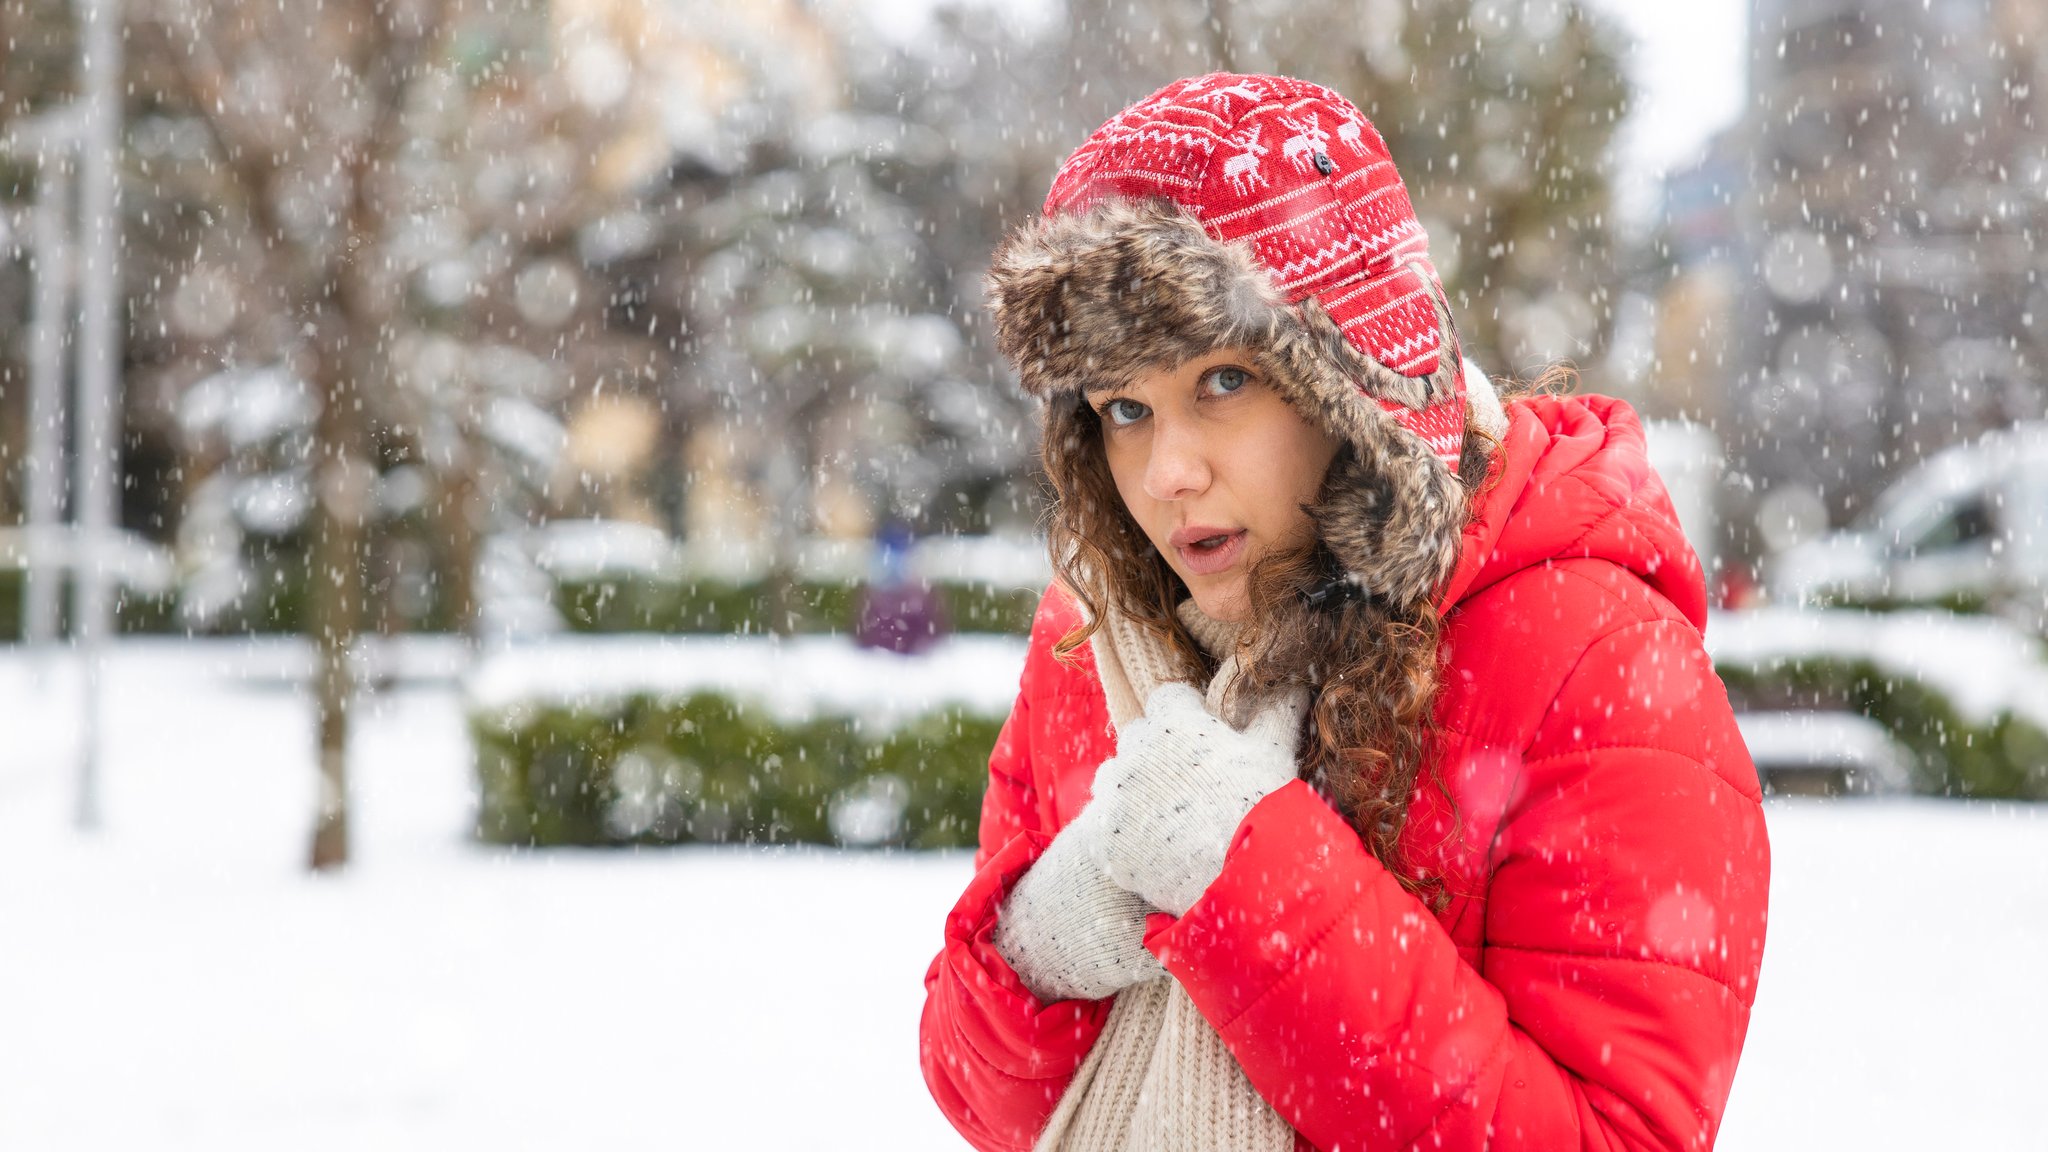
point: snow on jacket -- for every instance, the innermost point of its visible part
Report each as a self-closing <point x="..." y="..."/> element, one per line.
<point x="1588" y="984"/>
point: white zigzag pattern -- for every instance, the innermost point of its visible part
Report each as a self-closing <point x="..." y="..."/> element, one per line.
<point x="1190" y="134"/>
<point x="1150" y="174"/>
<point x="1287" y="273"/>
<point x="1446" y="445"/>
<point x="1421" y="287"/>
<point x="1414" y="361"/>
<point x="1396" y="234"/>
<point x="1419" y="240"/>
<point x="1416" y="347"/>
<point x="1315" y="261"/>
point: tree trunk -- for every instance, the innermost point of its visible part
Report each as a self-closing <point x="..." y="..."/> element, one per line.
<point x="342" y="484"/>
<point x="456" y="512"/>
<point x="784" y="482"/>
<point x="335" y="608"/>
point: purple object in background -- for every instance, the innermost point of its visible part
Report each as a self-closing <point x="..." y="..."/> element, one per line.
<point x="897" y="611"/>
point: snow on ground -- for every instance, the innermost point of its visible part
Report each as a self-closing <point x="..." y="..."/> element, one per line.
<point x="174" y="981"/>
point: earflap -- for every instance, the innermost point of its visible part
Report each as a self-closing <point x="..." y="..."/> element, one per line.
<point x="1393" y="516"/>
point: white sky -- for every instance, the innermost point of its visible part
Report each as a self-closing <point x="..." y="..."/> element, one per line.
<point x="1688" y="67"/>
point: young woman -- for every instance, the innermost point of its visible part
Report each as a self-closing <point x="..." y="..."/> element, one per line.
<point x="1368" y="785"/>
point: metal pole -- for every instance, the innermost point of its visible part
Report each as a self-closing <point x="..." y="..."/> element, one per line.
<point x="98" y="458"/>
<point x="49" y="324"/>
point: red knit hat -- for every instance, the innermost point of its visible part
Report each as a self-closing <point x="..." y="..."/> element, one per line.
<point x="1259" y="212"/>
<point x="1297" y="173"/>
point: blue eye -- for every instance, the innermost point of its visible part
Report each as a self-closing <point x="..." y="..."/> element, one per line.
<point x="1121" y="412"/>
<point x="1225" y="380"/>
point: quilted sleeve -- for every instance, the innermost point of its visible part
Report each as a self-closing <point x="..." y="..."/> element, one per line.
<point x="1607" y="1004"/>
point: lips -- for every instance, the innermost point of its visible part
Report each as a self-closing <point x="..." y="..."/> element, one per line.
<point x="1205" y="550"/>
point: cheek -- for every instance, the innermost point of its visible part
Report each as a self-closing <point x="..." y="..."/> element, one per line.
<point x="1309" y="480"/>
<point x="1289" y="469"/>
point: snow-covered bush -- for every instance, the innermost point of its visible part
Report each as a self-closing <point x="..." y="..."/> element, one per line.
<point x="134" y="611"/>
<point x="633" y="740"/>
<point x="1967" y="695"/>
<point x="684" y="605"/>
<point x="142" y="574"/>
<point x="707" y="769"/>
<point x="616" y="577"/>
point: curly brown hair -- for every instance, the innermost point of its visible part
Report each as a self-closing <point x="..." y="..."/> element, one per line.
<point x="1370" y="665"/>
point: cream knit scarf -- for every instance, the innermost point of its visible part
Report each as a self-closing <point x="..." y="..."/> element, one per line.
<point x="1159" y="1078"/>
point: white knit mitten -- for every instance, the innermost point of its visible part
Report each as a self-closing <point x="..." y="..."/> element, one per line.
<point x="1180" y="783"/>
<point x="1069" y="932"/>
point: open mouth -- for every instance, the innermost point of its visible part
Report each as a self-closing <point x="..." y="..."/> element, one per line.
<point x="1210" y="552"/>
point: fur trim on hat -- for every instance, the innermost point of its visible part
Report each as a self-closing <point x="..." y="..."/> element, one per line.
<point x="1123" y="285"/>
<point x="1098" y="295"/>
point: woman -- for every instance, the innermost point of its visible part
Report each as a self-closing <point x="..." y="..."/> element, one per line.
<point x="1368" y="785"/>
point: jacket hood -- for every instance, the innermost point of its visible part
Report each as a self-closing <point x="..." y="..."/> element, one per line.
<point x="1572" y="480"/>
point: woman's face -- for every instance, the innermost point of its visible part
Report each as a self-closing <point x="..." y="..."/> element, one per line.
<point x="1215" y="468"/>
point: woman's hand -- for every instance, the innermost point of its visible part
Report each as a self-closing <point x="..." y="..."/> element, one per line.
<point x="1068" y="931"/>
<point x="1171" y="798"/>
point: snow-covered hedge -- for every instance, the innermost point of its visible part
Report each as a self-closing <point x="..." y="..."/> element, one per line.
<point x="134" y="611"/>
<point x="690" y="605"/>
<point x="641" y="739"/>
<point x="614" y="577"/>
<point x="1968" y="695"/>
<point x="619" y="740"/>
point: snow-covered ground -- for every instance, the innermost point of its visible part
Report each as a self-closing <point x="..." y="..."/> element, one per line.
<point x="174" y="981"/>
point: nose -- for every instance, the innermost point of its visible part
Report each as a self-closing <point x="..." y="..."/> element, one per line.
<point x="1178" y="465"/>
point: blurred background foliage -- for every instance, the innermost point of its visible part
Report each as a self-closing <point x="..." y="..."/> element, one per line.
<point x="709" y="268"/>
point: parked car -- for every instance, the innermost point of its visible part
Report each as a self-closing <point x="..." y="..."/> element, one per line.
<point x="1967" y="528"/>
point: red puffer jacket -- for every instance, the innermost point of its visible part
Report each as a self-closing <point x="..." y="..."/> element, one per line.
<point x="1590" y="981"/>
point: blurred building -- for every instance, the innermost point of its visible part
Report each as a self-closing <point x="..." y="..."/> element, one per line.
<point x="1694" y="343"/>
<point x="1890" y="300"/>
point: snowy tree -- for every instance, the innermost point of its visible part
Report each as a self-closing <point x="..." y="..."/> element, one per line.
<point x="303" y="113"/>
<point x="350" y="193"/>
<point x="817" y="248"/>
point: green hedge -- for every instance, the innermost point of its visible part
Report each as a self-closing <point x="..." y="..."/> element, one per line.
<point x="2006" y="758"/>
<point x="646" y="605"/>
<point x="133" y="612"/>
<point x="708" y="769"/>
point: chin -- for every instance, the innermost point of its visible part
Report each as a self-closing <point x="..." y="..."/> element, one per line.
<point x="1229" y="604"/>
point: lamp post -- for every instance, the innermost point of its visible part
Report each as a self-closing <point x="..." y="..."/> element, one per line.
<point x="50" y="140"/>
<point x="98" y="457"/>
